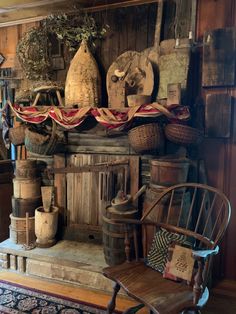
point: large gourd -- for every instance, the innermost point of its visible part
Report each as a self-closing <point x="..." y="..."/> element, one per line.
<point x="83" y="81"/>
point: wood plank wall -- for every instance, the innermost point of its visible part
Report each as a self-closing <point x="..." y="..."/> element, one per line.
<point x="220" y="154"/>
<point x="133" y="29"/>
<point x="9" y="37"/>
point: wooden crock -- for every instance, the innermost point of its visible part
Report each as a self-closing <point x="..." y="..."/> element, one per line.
<point x="46" y="226"/>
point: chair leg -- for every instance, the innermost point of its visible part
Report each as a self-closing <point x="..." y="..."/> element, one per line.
<point x="112" y="304"/>
<point x="134" y="309"/>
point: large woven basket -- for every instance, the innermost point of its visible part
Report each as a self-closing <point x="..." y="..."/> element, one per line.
<point x="42" y="144"/>
<point x="183" y="134"/>
<point x="17" y="135"/>
<point x="146" y="138"/>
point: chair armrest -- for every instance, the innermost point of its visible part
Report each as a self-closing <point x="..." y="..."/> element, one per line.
<point x="204" y="254"/>
<point x="201" y="257"/>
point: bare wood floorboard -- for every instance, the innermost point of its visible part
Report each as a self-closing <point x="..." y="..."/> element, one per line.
<point x="222" y="299"/>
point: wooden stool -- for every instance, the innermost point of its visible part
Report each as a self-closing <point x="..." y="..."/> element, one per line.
<point x="49" y="90"/>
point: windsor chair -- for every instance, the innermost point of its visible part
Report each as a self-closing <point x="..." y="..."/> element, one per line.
<point x="203" y="219"/>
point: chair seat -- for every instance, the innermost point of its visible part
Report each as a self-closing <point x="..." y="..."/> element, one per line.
<point x="148" y="286"/>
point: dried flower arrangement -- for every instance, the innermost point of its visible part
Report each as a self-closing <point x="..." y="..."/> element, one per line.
<point x="33" y="49"/>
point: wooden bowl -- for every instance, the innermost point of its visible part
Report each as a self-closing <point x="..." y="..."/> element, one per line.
<point x="122" y="206"/>
<point x="138" y="100"/>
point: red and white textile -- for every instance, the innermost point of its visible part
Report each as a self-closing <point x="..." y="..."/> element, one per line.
<point x="110" y="118"/>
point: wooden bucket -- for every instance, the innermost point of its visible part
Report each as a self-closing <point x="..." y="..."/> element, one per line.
<point x="18" y="223"/>
<point x="25" y="169"/>
<point x="19" y="236"/>
<point x="159" y="212"/>
<point x="114" y="235"/>
<point x="166" y="172"/>
<point x="26" y="188"/>
<point x="22" y="206"/>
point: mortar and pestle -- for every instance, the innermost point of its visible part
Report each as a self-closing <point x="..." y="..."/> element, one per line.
<point x="46" y="219"/>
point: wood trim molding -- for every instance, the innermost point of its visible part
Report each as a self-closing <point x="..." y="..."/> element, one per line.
<point x="22" y="21"/>
<point x="122" y="4"/>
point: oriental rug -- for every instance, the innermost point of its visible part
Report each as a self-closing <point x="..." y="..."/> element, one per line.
<point x="17" y="299"/>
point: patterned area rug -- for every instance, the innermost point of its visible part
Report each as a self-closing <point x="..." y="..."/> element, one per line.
<point x="16" y="299"/>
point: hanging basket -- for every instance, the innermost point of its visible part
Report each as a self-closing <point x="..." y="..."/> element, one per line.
<point x="146" y="138"/>
<point x="42" y="144"/>
<point x="17" y="134"/>
<point x="183" y="134"/>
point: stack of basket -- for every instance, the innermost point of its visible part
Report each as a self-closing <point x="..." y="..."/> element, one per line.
<point x="26" y="198"/>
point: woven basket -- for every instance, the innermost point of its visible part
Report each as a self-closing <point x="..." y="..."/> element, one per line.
<point x="17" y="135"/>
<point x="83" y="80"/>
<point x="183" y="134"/>
<point x="42" y="144"/>
<point x="146" y="138"/>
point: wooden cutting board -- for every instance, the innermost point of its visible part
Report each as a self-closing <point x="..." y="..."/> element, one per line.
<point x="219" y="48"/>
<point x="218" y="115"/>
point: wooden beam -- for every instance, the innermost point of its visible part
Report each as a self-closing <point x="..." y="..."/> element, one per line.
<point x="23" y="21"/>
<point x="123" y="4"/>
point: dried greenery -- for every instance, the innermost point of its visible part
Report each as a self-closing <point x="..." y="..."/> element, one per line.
<point x="33" y="50"/>
<point x="74" y="28"/>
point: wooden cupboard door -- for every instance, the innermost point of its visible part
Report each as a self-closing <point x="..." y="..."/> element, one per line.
<point x="89" y="193"/>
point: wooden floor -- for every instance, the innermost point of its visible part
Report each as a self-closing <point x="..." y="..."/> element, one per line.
<point x="222" y="299"/>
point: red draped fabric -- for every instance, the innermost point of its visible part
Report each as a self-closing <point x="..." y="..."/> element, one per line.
<point x="110" y="118"/>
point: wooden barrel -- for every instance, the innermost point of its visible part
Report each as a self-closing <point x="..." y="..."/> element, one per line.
<point x="22" y="206"/>
<point x="27" y="188"/>
<point x="159" y="212"/>
<point x="168" y="172"/>
<point x="114" y="235"/>
<point x="25" y="169"/>
<point x="6" y="190"/>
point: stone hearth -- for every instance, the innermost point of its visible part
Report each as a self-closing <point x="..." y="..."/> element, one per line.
<point x="68" y="261"/>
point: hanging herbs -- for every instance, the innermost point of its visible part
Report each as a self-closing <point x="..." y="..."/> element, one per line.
<point x="33" y="49"/>
<point x="72" y="29"/>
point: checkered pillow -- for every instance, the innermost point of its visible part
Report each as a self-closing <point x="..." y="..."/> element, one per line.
<point x="157" y="256"/>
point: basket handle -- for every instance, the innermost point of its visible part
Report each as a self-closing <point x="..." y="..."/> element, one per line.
<point x="53" y="134"/>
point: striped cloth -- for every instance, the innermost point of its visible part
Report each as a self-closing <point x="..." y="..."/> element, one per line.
<point x="157" y="256"/>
